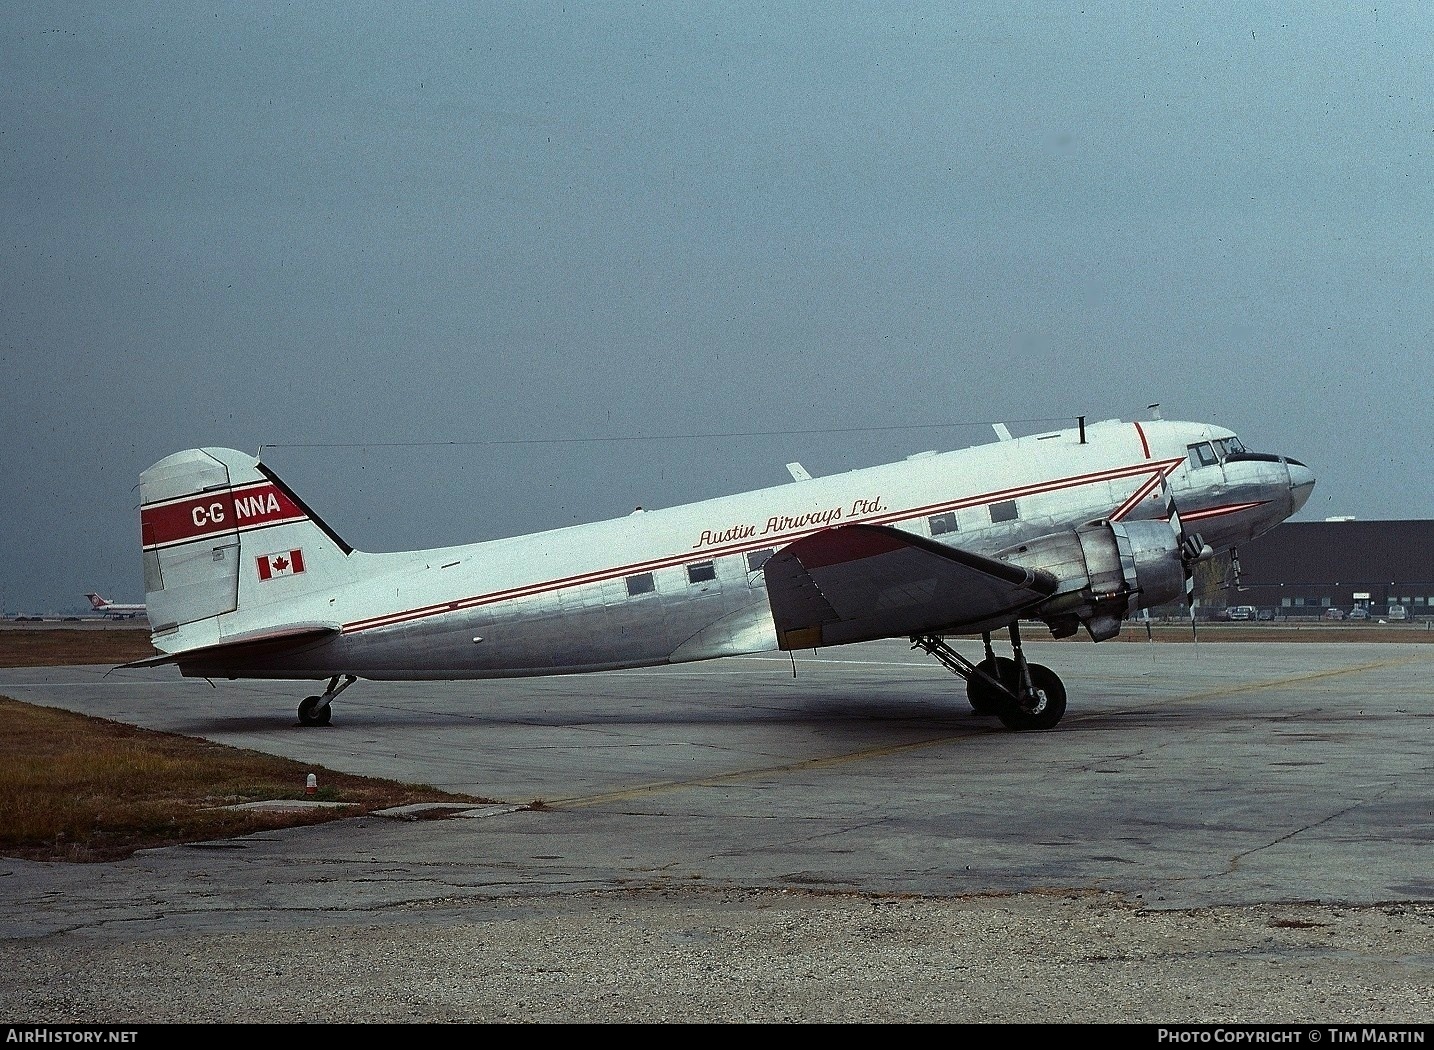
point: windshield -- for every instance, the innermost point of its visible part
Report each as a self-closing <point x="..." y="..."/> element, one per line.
<point x="1202" y="454"/>
<point x="1208" y="453"/>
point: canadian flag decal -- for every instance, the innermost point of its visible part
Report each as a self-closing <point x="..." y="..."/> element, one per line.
<point x="285" y="563"/>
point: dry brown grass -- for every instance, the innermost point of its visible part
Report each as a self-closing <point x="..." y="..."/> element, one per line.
<point x="76" y="788"/>
<point x="50" y="647"/>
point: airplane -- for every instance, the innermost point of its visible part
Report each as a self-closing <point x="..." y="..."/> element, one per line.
<point x="1079" y="528"/>
<point x="115" y="610"/>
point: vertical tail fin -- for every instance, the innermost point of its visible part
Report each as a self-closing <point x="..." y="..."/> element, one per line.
<point x="223" y="535"/>
<point x="96" y="602"/>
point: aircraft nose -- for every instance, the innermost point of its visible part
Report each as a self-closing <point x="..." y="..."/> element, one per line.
<point x="1302" y="483"/>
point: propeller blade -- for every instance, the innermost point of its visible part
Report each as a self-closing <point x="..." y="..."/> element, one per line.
<point x="1191" y="548"/>
<point x="1190" y="600"/>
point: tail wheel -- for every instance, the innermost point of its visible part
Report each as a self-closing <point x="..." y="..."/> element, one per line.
<point x="312" y="712"/>
<point x="986" y="700"/>
<point x="1049" y="708"/>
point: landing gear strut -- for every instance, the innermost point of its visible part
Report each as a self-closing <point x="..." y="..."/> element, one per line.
<point x="1022" y="695"/>
<point x="315" y="710"/>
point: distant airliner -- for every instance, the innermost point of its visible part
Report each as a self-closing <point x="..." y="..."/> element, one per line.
<point x="1079" y="528"/>
<point x="114" y="610"/>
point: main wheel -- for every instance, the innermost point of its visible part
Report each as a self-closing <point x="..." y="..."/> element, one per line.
<point x="311" y="714"/>
<point x="1048" y="709"/>
<point x="984" y="699"/>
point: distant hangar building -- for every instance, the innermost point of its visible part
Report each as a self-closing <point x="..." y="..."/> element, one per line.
<point x="1300" y="569"/>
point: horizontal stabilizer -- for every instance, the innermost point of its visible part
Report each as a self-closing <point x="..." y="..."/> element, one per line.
<point x="856" y="583"/>
<point x="241" y="647"/>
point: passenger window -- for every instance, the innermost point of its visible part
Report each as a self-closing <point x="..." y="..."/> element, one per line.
<point x="756" y="559"/>
<point x="639" y="584"/>
<point x="701" y="571"/>
<point x="1202" y="455"/>
<point x="942" y="523"/>
<point x="1004" y="511"/>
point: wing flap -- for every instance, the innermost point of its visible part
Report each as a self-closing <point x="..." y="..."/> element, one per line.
<point x="240" y="647"/>
<point x="855" y="583"/>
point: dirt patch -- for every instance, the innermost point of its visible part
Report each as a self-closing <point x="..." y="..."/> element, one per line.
<point x="50" y="647"/>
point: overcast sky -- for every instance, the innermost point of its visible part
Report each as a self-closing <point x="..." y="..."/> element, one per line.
<point x="477" y="269"/>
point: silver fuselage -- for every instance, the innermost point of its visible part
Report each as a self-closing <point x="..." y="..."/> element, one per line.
<point x="578" y="599"/>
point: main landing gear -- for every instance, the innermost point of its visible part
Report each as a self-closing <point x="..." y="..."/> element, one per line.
<point x="1022" y="695"/>
<point x="315" y="710"/>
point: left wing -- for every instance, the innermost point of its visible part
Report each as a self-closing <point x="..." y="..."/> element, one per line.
<point x="855" y="583"/>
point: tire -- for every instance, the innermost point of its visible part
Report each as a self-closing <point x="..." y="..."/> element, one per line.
<point x="985" y="700"/>
<point x="1021" y="720"/>
<point x="311" y="714"/>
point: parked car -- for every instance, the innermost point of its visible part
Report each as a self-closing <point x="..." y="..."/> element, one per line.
<point x="1398" y="612"/>
<point x="1333" y="614"/>
<point x="1265" y="614"/>
<point x="1240" y="612"/>
<point x="1359" y="612"/>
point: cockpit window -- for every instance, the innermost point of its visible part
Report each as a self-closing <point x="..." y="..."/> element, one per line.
<point x="1202" y="455"/>
<point x="1228" y="447"/>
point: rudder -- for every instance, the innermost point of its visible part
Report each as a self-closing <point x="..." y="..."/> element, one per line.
<point x="205" y="514"/>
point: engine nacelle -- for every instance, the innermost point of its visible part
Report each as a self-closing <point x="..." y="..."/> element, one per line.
<point x="1107" y="570"/>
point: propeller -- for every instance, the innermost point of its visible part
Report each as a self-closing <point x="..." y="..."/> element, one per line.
<point x="1235" y="568"/>
<point x="1192" y="548"/>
